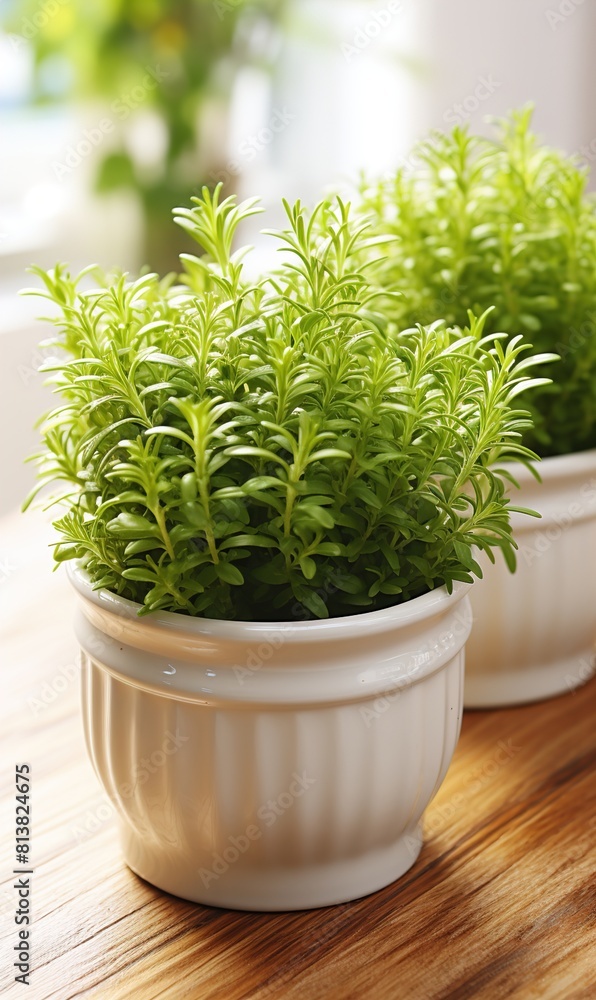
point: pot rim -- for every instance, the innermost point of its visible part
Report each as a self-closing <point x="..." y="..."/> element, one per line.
<point x="553" y="467"/>
<point x="410" y="612"/>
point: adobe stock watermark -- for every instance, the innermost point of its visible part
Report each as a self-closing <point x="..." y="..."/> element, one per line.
<point x="257" y="656"/>
<point x="30" y="26"/>
<point x="224" y="7"/>
<point x="415" y="157"/>
<point x="32" y="370"/>
<point x="578" y="337"/>
<point x="368" y="32"/>
<point x="96" y="646"/>
<point x="122" y="107"/>
<point x="460" y="112"/>
<point x="439" y="306"/>
<point x="587" y="152"/>
<point x="7" y="568"/>
<point x="456" y="114"/>
<point x="140" y="775"/>
<point x="543" y="539"/>
<point x="586" y="669"/>
<point x="472" y="783"/>
<point x="562" y="12"/>
<point x="393" y="691"/>
<point x="253" y="145"/>
<point x="50" y="690"/>
<point x="266" y="816"/>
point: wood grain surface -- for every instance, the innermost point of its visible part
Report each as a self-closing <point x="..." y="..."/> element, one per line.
<point x="501" y="902"/>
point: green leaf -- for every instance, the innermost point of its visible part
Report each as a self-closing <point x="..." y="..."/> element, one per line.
<point x="463" y="553"/>
<point x="308" y="566"/>
<point x="329" y="549"/>
<point x="313" y="513"/>
<point x="229" y="574"/>
<point x="139" y="575"/>
<point x="188" y="486"/>
<point x="257" y="541"/>
<point x="194" y="513"/>
<point x="141" y="545"/>
<point x="127" y="525"/>
<point x="313" y="601"/>
<point x="348" y="583"/>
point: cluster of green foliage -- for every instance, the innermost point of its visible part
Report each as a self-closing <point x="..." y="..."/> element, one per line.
<point x="506" y="224"/>
<point x="277" y="448"/>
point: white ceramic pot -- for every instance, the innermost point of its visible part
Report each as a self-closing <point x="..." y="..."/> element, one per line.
<point x="271" y="766"/>
<point x="534" y="632"/>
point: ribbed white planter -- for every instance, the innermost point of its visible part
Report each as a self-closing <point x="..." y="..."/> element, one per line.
<point x="534" y="633"/>
<point x="272" y="766"/>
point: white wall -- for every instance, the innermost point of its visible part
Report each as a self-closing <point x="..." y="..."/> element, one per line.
<point x="527" y="47"/>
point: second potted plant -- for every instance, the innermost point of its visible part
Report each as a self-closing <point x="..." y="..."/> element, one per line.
<point x="273" y="499"/>
<point x="509" y="224"/>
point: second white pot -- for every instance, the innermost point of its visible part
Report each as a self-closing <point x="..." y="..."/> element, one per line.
<point x="534" y="632"/>
<point x="272" y="766"/>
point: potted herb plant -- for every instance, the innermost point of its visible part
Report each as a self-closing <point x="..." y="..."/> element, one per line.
<point x="509" y="223"/>
<point x="273" y="496"/>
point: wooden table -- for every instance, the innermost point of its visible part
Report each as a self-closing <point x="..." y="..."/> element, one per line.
<point x="501" y="902"/>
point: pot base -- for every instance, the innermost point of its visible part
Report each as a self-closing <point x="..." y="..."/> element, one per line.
<point x="521" y="687"/>
<point x="272" y="889"/>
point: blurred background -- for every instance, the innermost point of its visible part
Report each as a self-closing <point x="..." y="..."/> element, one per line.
<point x="112" y="112"/>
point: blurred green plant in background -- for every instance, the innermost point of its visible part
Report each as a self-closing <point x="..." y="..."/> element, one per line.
<point x="177" y="59"/>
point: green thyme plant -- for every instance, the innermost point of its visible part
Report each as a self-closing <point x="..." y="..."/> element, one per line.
<point x="278" y="448"/>
<point x="508" y="224"/>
